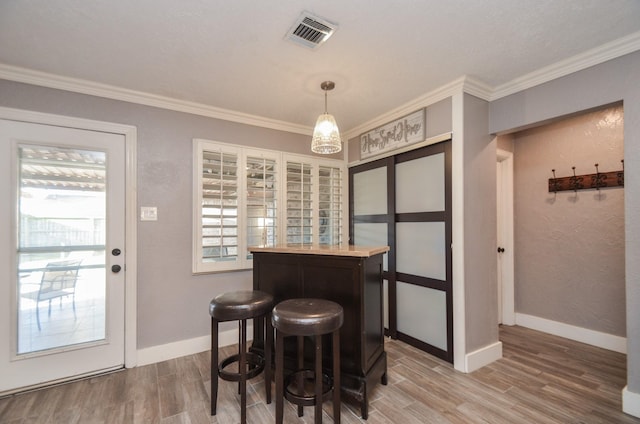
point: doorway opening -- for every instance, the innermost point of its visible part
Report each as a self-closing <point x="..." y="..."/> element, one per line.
<point x="568" y="246"/>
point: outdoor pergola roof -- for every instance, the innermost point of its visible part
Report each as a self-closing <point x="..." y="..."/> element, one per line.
<point x="62" y="168"/>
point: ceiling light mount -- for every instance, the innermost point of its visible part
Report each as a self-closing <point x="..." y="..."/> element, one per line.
<point x="327" y="86"/>
<point x="326" y="136"/>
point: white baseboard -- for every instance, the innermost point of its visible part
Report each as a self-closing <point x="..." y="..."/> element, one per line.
<point x="630" y="402"/>
<point x="484" y="356"/>
<point x="579" y="334"/>
<point x="154" y="354"/>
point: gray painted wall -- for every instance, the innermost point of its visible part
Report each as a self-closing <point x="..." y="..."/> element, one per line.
<point x="172" y="303"/>
<point x="438" y="118"/>
<point x="599" y="85"/>
<point x="480" y="239"/>
<point x="569" y="246"/>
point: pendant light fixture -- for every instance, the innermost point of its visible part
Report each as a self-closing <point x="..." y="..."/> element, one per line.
<point x="326" y="136"/>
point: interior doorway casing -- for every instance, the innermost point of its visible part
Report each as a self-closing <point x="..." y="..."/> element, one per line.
<point x="130" y="134"/>
<point x="505" y="235"/>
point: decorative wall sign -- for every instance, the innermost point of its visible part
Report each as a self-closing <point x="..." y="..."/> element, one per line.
<point x="399" y="133"/>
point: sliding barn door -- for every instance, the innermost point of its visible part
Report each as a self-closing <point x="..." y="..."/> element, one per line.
<point x="405" y="202"/>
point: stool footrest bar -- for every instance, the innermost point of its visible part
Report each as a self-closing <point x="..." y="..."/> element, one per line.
<point x="255" y="364"/>
<point x="307" y="398"/>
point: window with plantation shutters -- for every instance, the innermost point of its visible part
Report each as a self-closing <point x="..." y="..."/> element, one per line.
<point x="253" y="197"/>
<point x="219" y="205"/>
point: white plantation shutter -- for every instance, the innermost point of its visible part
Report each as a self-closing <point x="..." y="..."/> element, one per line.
<point x="299" y="203"/>
<point x="261" y="201"/>
<point x="219" y="209"/>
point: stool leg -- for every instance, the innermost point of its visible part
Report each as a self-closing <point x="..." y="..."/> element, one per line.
<point x="300" y="379"/>
<point x="268" y="341"/>
<point x="239" y="350"/>
<point x="214" y="365"/>
<point x="279" y="376"/>
<point x="336" y="377"/>
<point x="242" y="365"/>
<point x="318" y="380"/>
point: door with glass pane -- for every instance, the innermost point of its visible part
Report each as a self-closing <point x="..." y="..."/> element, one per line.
<point x="404" y="201"/>
<point x="61" y="253"/>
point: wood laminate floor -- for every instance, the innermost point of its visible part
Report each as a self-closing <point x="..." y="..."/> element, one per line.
<point x="541" y="379"/>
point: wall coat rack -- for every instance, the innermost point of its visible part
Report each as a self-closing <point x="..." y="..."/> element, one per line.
<point x="587" y="181"/>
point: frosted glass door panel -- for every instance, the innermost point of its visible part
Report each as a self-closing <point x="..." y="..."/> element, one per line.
<point x="368" y="234"/>
<point x="421" y="249"/>
<point x="423" y="314"/>
<point x="370" y="192"/>
<point x="420" y="185"/>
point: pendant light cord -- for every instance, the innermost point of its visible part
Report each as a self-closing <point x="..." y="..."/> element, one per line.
<point x="325" y="102"/>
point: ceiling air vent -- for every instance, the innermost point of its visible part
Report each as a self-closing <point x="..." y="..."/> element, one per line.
<point x="311" y="31"/>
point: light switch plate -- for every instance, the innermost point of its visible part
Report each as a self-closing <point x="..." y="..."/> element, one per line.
<point x="148" y="213"/>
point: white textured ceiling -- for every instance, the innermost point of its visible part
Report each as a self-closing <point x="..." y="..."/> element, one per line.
<point x="232" y="54"/>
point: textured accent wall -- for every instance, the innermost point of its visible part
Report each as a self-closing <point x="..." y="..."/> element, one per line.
<point x="569" y="246"/>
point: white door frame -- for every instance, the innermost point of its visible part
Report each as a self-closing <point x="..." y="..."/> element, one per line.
<point x="505" y="202"/>
<point x="130" y="135"/>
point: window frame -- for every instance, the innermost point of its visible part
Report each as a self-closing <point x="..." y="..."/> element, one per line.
<point x="243" y="260"/>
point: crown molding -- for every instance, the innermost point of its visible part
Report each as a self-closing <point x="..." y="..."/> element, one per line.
<point x="595" y="56"/>
<point x="43" y="79"/>
<point x="409" y="107"/>
<point x="464" y="84"/>
<point x="477" y="88"/>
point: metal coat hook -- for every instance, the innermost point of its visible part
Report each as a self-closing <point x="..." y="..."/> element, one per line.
<point x="621" y="174"/>
<point x="555" y="182"/>
<point x="587" y="181"/>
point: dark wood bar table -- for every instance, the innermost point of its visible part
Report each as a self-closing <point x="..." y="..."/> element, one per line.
<point x="348" y="275"/>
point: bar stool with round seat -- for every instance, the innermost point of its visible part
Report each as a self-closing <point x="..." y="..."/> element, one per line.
<point x="241" y="306"/>
<point x="308" y="317"/>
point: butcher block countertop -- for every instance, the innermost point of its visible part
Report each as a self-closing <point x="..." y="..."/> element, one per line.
<point x="317" y="249"/>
